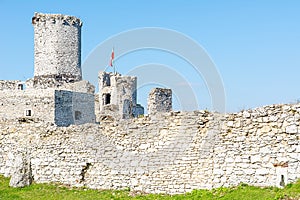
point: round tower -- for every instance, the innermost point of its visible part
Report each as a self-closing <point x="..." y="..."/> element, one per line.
<point x="57" y="47"/>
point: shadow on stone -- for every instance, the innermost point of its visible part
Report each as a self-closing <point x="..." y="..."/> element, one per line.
<point x="21" y="174"/>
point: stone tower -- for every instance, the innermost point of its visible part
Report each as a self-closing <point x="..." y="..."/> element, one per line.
<point x="57" y="48"/>
<point x="117" y="96"/>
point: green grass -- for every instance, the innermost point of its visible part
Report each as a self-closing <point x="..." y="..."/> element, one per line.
<point x="52" y="191"/>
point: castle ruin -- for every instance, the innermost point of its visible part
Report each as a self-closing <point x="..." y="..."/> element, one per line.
<point x="54" y="128"/>
<point x="57" y="92"/>
<point x="118" y="96"/>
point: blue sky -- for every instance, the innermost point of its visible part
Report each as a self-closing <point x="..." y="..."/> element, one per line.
<point x="255" y="45"/>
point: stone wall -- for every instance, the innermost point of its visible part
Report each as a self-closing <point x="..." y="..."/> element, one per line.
<point x="97" y="107"/>
<point x="78" y="86"/>
<point x="260" y="147"/>
<point x="159" y="100"/>
<point x="173" y="152"/>
<point x="57" y="47"/>
<point x="73" y="108"/>
<point x="14" y="104"/>
<point x="11" y="85"/>
<point x="49" y="105"/>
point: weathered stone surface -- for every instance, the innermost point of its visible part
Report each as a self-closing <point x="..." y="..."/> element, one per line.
<point x="292" y="129"/>
<point x="117" y="96"/>
<point x="21" y="174"/>
<point x="48" y="105"/>
<point x="11" y="85"/>
<point x="54" y="55"/>
<point x="159" y="100"/>
<point x="171" y="152"/>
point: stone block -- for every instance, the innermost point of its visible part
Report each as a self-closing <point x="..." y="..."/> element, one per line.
<point x="21" y="175"/>
<point x="292" y="129"/>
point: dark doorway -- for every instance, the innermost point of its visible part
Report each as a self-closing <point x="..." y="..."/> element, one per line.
<point x="107" y="98"/>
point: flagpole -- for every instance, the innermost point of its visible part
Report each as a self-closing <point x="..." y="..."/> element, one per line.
<point x="115" y="69"/>
<point x="112" y="63"/>
<point x="114" y="66"/>
<point x="106" y="68"/>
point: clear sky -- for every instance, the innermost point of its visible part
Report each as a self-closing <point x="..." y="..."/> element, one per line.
<point x="255" y="45"/>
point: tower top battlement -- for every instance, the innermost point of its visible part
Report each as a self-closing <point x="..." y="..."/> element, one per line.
<point x="56" y="18"/>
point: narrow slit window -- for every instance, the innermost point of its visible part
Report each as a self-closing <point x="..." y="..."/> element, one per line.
<point x="28" y="113"/>
<point x="106" y="81"/>
<point x="20" y="86"/>
<point x="282" y="181"/>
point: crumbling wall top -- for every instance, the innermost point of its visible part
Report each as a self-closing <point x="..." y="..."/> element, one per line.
<point x="11" y="85"/>
<point x="159" y="100"/>
<point x="53" y="18"/>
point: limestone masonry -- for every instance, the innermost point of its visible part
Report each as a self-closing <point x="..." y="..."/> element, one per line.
<point x="160" y="100"/>
<point x="57" y="47"/>
<point x="54" y="128"/>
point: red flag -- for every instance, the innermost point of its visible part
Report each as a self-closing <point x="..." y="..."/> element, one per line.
<point x="112" y="57"/>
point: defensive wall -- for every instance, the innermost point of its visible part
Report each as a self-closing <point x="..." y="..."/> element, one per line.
<point x="173" y="152"/>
